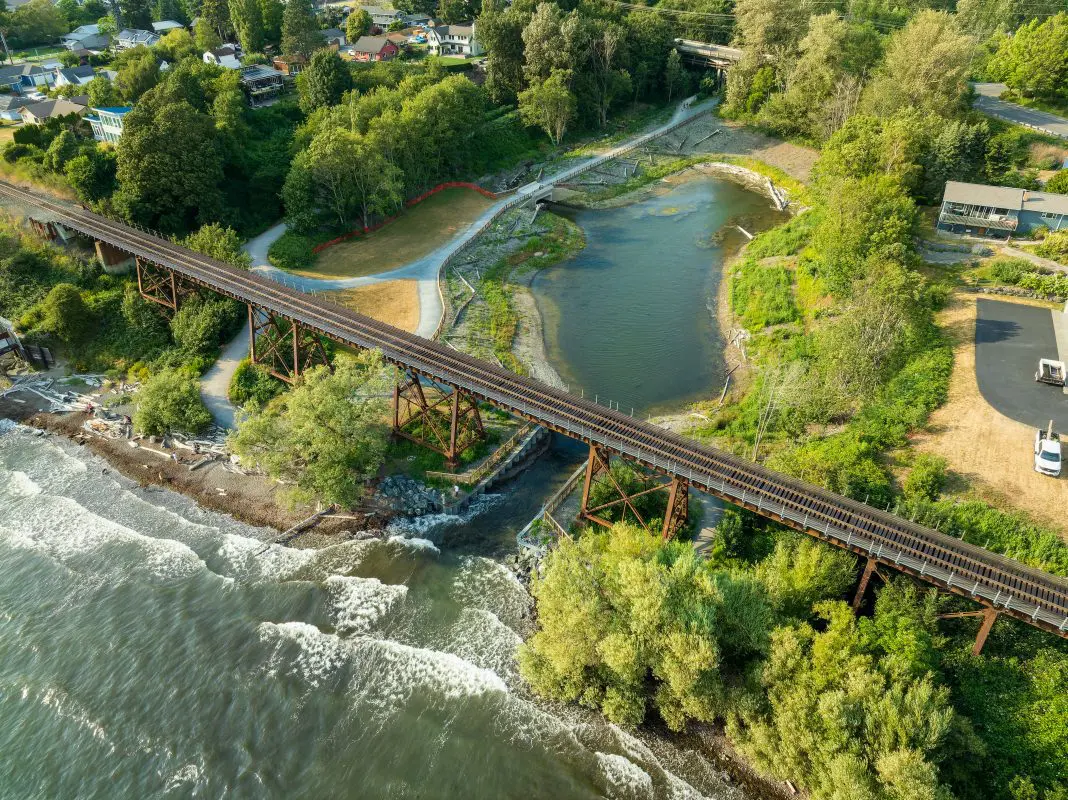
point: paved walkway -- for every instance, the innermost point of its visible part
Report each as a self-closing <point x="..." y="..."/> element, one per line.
<point x="215" y="385"/>
<point x="987" y="101"/>
<point x="1038" y="261"/>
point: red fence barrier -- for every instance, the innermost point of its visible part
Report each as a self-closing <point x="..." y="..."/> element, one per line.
<point x="408" y="204"/>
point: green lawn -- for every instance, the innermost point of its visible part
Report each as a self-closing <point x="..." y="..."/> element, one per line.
<point x="37" y="53"/>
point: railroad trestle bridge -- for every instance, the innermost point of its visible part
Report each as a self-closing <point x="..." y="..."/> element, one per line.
<point x="290" y="324"/>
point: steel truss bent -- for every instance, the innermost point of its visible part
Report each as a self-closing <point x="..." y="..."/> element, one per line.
<point x="287" y="349"/>
<point x="159" y="284"/>
<point x="598" y="470"/>
<point x="445" y="419"/>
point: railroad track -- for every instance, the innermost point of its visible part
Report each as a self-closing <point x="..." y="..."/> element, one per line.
<point x="1029" y="594"/>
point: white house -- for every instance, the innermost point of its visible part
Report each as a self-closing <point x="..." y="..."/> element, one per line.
<point x="225" y="56"/>
<point x="84" y="37"/>
<point x="453" y="40"/>
<point x="73" y="76"/>
<point x="130" y="37"/>
<point x="107" y="122"/>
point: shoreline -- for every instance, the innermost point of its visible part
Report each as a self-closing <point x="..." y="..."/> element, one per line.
<point x="246" y="497"/>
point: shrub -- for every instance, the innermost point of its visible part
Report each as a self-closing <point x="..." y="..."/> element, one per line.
<point x="15" y="151"/>
<point x="170" y="400"/>
<point x="1010" y="270"/>
<point x="762" y="295"/>
<point x="64" y="314"/>
<point x="1055" y="246"/>
<point x="292" y="251"/>
<point x="1058" y="183"/>
<point x="253" y="383"/>
<point x="926" y="478"/>
<point x="199" y="325"/>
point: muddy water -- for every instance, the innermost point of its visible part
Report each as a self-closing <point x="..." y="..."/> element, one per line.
<point x="151" y="649"/>
<point x="631" y="319"/>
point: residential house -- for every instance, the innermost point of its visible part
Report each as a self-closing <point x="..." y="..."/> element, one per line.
<point x="398" y="38"/>
<point x="73" y="76"/>
<point x="107" y="122"/>
<point x="383" y="17"/>
<point x="164" y="26"/>
<point x="334" y="37"/>
<point x="999" y="211"/>
<point x="10" y="106"/>
<point x="453" y="40"/>
<point x="131" y="37"/>
<point x="225" y="56"/>
<point x="85" y="37"/>
<point x="290" y="65"/>
<point x="373" y="48"/>
<point x="25" y="77"/>
<point x="37" y="113"/>
<point x="261" y="83"/>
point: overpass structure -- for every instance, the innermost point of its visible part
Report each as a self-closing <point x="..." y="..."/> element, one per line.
<point x="705" y="54"/>
<point x="439" y="384"/>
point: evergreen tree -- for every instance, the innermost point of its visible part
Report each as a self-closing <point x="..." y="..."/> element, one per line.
<point x="216" y="13"/>
<point x="136" y="14"/>
<point x="247" y="19"/>
<point x="300" y="33"/>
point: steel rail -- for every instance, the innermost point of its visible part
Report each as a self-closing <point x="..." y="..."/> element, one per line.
<point x="1025" y="592"/>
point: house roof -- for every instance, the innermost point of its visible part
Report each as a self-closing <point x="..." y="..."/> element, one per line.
<point x="382" y="12"/>
<point x="138" y="36"/>
<point x="13" y="101"/>
<point x="13" y="72"/>
<point x="82" y="31"/>
<point x="332" y="33"/>
<point x="166" y="25"/>
<point x="225" y="50"/>
<point x="453" y="30"/>
<point x="76" y="74"/>
<point x="47" y="109"/>
<point x="978" y="194"/>
<point x="371" y="44"/>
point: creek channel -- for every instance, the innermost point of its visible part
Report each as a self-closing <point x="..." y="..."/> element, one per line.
<point x="632" y="318"/>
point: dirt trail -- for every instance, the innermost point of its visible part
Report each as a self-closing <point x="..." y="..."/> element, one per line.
<point x="990" y="451"/>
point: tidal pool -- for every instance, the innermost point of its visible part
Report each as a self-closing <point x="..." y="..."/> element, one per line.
<point x="632" y="318"/>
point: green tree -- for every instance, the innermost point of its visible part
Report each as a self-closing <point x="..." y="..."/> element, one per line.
<point x="802" y="572"/>
<point x="144" y="317"/>
<point x="63" y="148"/>
<point x="676" y="79"/>
<point x="175" y="45"/>
<point x="138" y="72"/>
<point x="926" y="478"/>
<point x="324" y="81"/>
<point x="205" y="36"/>
<point x="170" y="401"/>
<point x="500" y="31"/>
<point x="627" y="622"/>
<point x="925" y="68"/>
<point x="549" y="105"/>
<point x="247" y="19"/>
<point x="650" y="39"/>
<point x="199" y="325"/>
<point x="102" y="93"/>
<point x="1034" y="60"/>
<point x="271" y="12"/>
<point x="544" y="48"/>
<point x="300" y="33"/>
<point x="216" y="13"/>
<point x="1058" y="183"/>
<point x="136" y="14"/>
<point x="358" y="24"/>
<point x="837" y="724"/>
<point x="65" y="315"/>
<point x="328" y="435"/>
<point x="34" y="23"/>
<point x="108" y="26"/>
<point x="169" y="10"/>
<point x="92" y="175"/>
<point x="220" y="243"/>
<point x="169" y="166"/>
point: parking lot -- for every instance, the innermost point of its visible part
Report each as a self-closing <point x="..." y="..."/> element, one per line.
<point x="1010" y="338"/>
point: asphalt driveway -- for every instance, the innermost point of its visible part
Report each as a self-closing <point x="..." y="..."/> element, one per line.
<point x="1010" y="338"/>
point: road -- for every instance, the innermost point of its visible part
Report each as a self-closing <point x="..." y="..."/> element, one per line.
<point x="1010" y="338"/>
<point x="987" y="101"/>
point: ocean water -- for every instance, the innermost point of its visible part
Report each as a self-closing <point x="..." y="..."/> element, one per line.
<point x="152" y="649"/>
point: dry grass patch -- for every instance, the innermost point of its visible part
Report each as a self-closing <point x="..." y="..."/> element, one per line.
<point x="416" y="233"/>
<point x="392" y="302"/>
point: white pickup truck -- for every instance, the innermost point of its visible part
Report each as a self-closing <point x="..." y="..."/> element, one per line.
<point x="1048" y="451"/>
